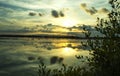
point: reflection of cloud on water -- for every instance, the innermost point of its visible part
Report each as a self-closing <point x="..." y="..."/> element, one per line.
<point x="56" y="59"/>
<point x="23" y="53"/>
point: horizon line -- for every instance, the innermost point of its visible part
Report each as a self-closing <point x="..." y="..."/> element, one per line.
<point x="55" y="36"/>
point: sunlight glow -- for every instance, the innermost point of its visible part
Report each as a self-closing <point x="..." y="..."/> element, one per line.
<point x="68" y="51"/>
<point x="68" y="22"/>
<point x="60" y="30"/>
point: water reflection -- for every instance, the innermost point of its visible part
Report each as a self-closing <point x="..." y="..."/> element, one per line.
<point x="23" y="53"/>
<point x="56" y="59"/>
<point x="67" y="51"/>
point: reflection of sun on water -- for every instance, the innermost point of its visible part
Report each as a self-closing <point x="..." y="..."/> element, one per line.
<point x="68" y="51"/>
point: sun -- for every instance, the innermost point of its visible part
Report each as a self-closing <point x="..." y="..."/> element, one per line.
<point x="68" y="23"/>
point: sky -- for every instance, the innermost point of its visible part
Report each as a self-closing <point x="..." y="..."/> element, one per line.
<point x="29" y="14"/>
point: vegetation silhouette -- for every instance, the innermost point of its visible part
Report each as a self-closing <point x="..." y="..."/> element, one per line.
<point x="106" y="52"/>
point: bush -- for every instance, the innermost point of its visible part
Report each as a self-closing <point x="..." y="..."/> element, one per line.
<point x="106" y="51"/>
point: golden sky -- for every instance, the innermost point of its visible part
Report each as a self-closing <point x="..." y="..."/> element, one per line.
<point x="29" y="14"/>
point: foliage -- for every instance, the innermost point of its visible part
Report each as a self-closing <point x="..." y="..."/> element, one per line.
<point x="64" y="71"/>
<point x="106" y="51"/>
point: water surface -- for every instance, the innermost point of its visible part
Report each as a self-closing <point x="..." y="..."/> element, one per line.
<point x="21" y="56"/>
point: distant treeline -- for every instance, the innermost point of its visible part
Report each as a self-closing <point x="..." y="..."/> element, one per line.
<point x="56" y="36"/>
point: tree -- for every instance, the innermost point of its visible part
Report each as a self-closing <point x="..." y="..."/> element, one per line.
<point x="106" y="52"/>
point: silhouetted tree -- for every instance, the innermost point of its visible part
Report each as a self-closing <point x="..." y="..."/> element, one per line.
<point x="106" y="52"/>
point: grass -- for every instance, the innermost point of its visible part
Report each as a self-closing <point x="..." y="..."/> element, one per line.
<point x="64" y="71"/>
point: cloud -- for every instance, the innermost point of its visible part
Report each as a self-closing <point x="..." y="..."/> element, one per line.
<point x="40" y="14"/>
<point x="57" y="14"/>
<point x="83" y="5"/>
<point x="6" y="10"/>
<point x="103" y="10"/>
<point x="93" y="10"/>
<point x="37" y="12"/>
<point x="61" y="14"/>
<point x="32" y="13"/>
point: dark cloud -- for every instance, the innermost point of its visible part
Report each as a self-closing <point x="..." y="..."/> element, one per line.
<point x="55" y="13"/>
<point x="35" y="13"/>
<point x="40" y="14"/>
<point x="104" y="10"/>
<point x="90" y="11"/>
<point x="83" y="5"/>
<point x="32" y="13"/>
<point x="61" y="14"/>
<point x="93" y="10"/>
